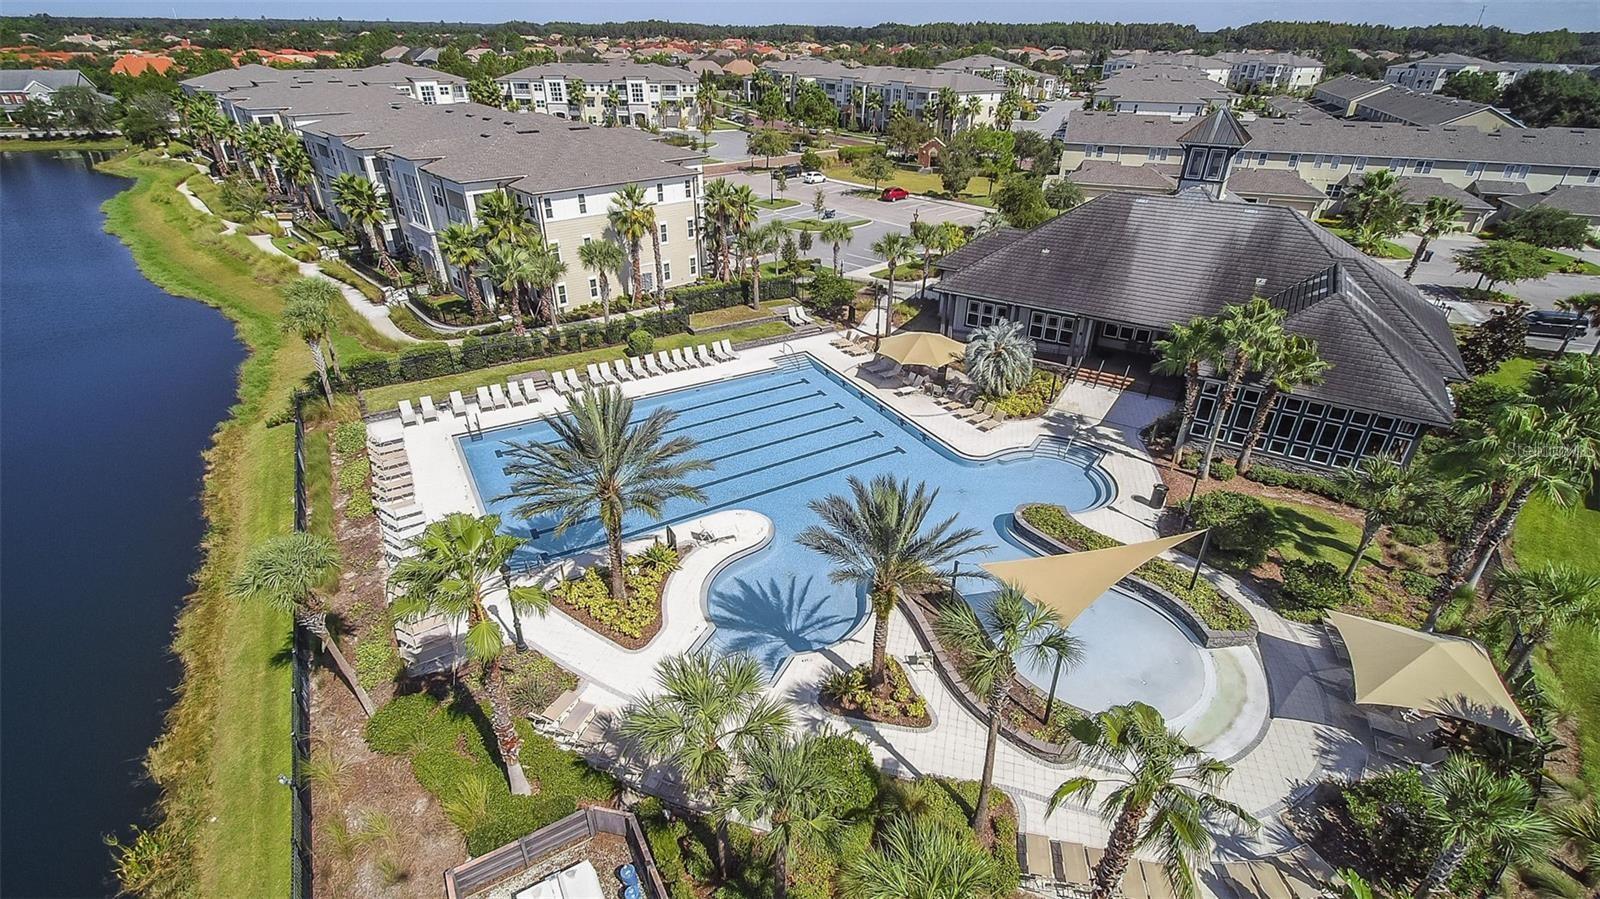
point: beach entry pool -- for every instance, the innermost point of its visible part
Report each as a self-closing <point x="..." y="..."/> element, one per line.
<point x="778" y="440"/>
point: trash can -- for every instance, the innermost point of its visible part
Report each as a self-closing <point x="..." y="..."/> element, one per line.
<point x="1158" y="496"/>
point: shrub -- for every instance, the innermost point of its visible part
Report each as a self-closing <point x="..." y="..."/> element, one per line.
<point x="377" y="662"/>
<point x="851" y="154"/>
<point x="397" y="725"/>
<point x="999" y="358"/>
<point x="1418" y="584"/>
<point x="1414" y="534"/>
<point x="1241" y="525"/>
<point x="1389" y="814"/>
<point x="360" y="504"/>
<point x="1311" y="587"/>
<point x="350" y="438"/>
<point x="1223" y="471"/>
<point x="1296" y="480"/>
<point x="1032" y="399"/>
<point x="534" y="681"/>
<point x="591" y="593"/>
<point x="640" y="342"/>
<point x="353" y="474"/>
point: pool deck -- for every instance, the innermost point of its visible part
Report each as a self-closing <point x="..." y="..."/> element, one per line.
<point x="1291" y="732"/>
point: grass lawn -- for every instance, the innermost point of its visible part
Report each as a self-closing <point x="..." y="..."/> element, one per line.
<point x="904" y="272"/>
<point x="224" y="828"/>
<point x="1561" y="260"/>
<point x="819" y="224"/>
<point x="735" y="314"/>
<point x="779" y="203"/>
<point x="66" y="143"/>
<point x="384" y="397"/>
<point x="775" y="268"/>
<point x="925" y="183"/>
<point x="1391" y="250"/>
<point x="1312" y="534"/>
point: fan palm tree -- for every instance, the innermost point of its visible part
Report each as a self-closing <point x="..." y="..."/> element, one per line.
<point x="603" y="257"/>
<point x="1588" y="306"/>
<point x="924" y="237"/>
<point x="308" y="314"/>
<point x="447" y="576"/>
<point x="1376" y="207"/>
<point x="603" y="465"/>
<point x="294" y="166"/>
<point x="1535" y="602"/>
<point x="1474" y="807"/>
<point x="1291" y="364"/>
<point x="285" y="572"/>
<point x="206" y="124"/>
<point x="1572" y="385"/>
<point x="1433" y="219"/>
<point x="258" y="144"/>
<point x="754" y="242"/>
<point x="893" y="247"/>
<point x="973" y="108"/>
<point x="1182" y="354"/>
<point x="1247" y="333"/>
<point x="989" y="648"/>
<point x="719" y="212"/>
<point x="461" y="245"/>
<point x="544" y="270"/>
<point x="358" y="199"/>
<point x="794" y="787"/>
<point x="949" y="104"/>
<point x="744" y="213"/>
<point x="630" y="217"/>
<point x="922" y="858"/>
<point x="504" y="219"/>
<point x="874" y="105"/>
<point x="510" y="265"/>
<point x="1388" y="492"/>
<point x="876" y="539"/>
<point x="838" y="233"/>
<point x="576" y="95"/>
<point x="1165" y="795"/>
<point x="999" y="357"/>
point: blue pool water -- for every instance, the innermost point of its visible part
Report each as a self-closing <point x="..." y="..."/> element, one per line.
<point x="778" y="440"/>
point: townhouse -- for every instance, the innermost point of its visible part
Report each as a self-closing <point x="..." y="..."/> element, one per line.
<point x="18" y="86"/>
<point x="1212" y="67"/>
<point x="1250" y="69"/>
<point x="852" y="87"/>
<point x="1380" y="101"/>
<point x="435" y="162"/>
<point x="1428" y="75"/>
<point x="639" y="94"/>
<point x="1177" y="91"/>
<point x="1036" y="86"/>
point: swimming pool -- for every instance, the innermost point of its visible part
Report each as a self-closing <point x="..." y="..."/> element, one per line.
<point x="782" y="438"/>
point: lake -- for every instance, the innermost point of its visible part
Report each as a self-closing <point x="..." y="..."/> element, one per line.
<point x="110" y="389"/>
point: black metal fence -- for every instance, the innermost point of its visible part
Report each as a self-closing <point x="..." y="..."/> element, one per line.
<point x="300" y="715"/>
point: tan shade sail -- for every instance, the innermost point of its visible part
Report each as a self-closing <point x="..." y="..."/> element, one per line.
<point x="1436" y="673"/>
<point x="1071" y="582"/>
<point x="921" y="348"/>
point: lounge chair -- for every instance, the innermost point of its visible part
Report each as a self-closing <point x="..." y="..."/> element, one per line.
<point x="429" y="412"/>
<point x="794" y="316"/>
<point x="727" y="347"/>
<point x="651" y="366"/>
<point x="497" y="396"/>
<point x="677" y="359"/>
<point x="637" y="367"/>
<point x="621" y="368"/>
<point x="408" y="415"/>
<point x="704" y="357"/>
<point x="805" y="317"/>
<point x="530" y="389"/>
<point x="593" y="371"/>
<point x="560" y="381"/>
<point x="575" y="382"/>
<point x="1034" y="855"/>
<point x="484" y="400"/>
<point x="664" y="359"/>
<point x="549" y="720"/>
<point x="514" y="393"/>
<point x="719" y="352"/>
<point x="458" y="404"/>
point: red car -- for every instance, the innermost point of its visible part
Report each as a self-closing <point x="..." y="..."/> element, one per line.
<point x="890" y="194"/>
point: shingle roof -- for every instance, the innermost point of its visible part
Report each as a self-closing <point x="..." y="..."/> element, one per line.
<point x="1455" y="59"/>
<point x="931" y="79"/>
<point x="1248" y="182"/>
<point x="1154" y="260"/>
<point x="1216" y="129"/>
<point x="1573" y="198"/>
<point x="978" y="248"/>
<point x="979" y="61"/>
<point x="1418" y="190"/>
<point x="1490" y="187"/>
<point x="1415" y="108"/>
<point x="1104" y="173"/>
<point x="1346" y="89"/>
<point x="1161" y="84"/>
<point x="54" y="79"/>
<point x="603" y="72"/>
<point x="243" y="76"/>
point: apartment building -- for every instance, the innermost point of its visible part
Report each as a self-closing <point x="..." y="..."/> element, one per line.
<point x="850" y="88"/>
<point x="1429" y="75"/>
<point x="1177" y="91"/>
<point x="434" y="162"/>
<point x="1250" y="69"/>
<point x="426" y="86"/>
<point x="1042" y="86"/>
<point x="639" y="94"/>
<point x="1381" y="101"/>
<point x="1212" y="67"/>
<point x="1330" y="154"/>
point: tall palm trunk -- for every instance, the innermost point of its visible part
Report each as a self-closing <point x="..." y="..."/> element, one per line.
<point x="637" y="252"/>
<point x="927" y="262"/>
<point x="882" y="608"/>
<point x="1230" y="389"/>
<point x="315" y="622"/>
<point x="548" y="295"/>
<point x="836" y="259"/>
<point x="655" y="247"/>
<point x="322" y="368"/>
<point x="474" y="295"/>
<point x="780" y="869"/>
<point x="1258" y="423"/>
<point x="612" y="521"/>
<point x="755" y="281"/>
<point x="504" y="726"/>
<point x="1369" y="531"/>
<point x="1191" y="399"/>
<point x="1462" y="556"/>
<point x="1119" y="849"/>
<point x="1521" y="653"/>
<point x="1501" y="529"/>
<point x="1416" y="258"/>
<point x="997" y="704"/>
<point x="1444" y="867"/>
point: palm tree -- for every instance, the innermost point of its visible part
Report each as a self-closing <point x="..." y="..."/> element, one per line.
<point x="922" y="858"/>
<point x="948" y="102"/>
<point x="794" y="787"/>
<point x="258" y="144"/>
<point x="744" y="213"/>
<point x="876" y="539"/>
<point x="294" y="165"/>
<point x="999" y="357"/>
<point x="446" y="576"/>
<point x="838" y="233"/>
<point x="602" y="464"/>
<point x="1182" y="353"/>
<point x="1389" y="492"/>
<point x="544" y="270"/>
<point x="1247" y="333"/>
<point x="461" y="245"/>
<point x="989" y="647"/>
<point x="874" y="104"/>
<point x="1535" y="602"/>
<point x="630" y="217"/>
<point x="1165" y="795"/>
<point x="358" y="199"/>
<point x="602" y="257"/>
<point x="205" y="122"/>
<point x="1588" y="306"/>
<point x="1431" y="220"/>
<point x="504" y="219"/>
<point x="510" y="265"/>
<point x="1474" y="807"/>
<point x="1293" y="363"/>
<point x="285" y="572"/>
<point x="613" y="100"/>
<point x="1376" y="207"/>
<point x="719" y="209"/>
<point x="308" y="314"/>
<point x="754" y="242"/>
<point x="973" y="108"/>
<point x="576" y="95"/>
<point x="893" y="247"/>
<point x="711" y="712"/>
<point x="925" y="236"/>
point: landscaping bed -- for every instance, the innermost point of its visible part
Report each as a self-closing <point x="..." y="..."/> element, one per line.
<point x="818" y="224"/>
<point x="845" y="693"/>
<point x="1033" y="399"/>
<point x="632" y="623"/>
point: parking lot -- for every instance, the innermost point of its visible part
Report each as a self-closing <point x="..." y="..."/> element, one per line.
<point x="881" y="218"/>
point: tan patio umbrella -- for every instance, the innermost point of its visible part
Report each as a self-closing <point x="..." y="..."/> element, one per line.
<point x="1071" y="582"/>
<point x="922" y="348"/>
<point x="1453" y="676"/>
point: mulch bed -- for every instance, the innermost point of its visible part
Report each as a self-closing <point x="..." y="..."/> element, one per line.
<point x="623" y="640"/>
<point x="848" y="708"/>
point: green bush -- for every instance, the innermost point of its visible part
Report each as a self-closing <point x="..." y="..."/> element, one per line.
<point x="1217" y="611"/>
<point x="1418" y="584"/>
<point x="377" y="662"/>
<point x="360" y="504"/>
<point x="340" y="271"/>
<point x="422" y="361"/>
<point x="396" y="726"/>
<point x="533" y="681"/>
<point x="350" y="438"/>
<point x="1310" y="483"/>
<point x="1241" y="525"/>
<point x="1034" y="397"/>
<point x="1389" y="812"/>
<point x="851" y="154"/>
<point x="1223" y="471"/>
<point x="1311" y="587"/>
<point x="353" y="475"/>
<point x="1414" y="534"/>
<point x="591" y="592"/>
<point x="640" y="342"/>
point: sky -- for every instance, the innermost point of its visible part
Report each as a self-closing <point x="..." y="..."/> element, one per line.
<point x="1517" y="15"/>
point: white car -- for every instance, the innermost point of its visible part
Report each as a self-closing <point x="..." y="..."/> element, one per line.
<point x="812" y="178"/>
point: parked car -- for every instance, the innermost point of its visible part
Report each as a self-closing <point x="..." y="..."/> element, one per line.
<point x="812" y="178"/>
<point x="890" y="194"/>
<point x="1557" y="323"/>
<point x="791" y="171"/>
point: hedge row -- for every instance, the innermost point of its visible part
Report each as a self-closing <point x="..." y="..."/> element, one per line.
<point x="423" y="361"/>
<point x="723" y="294"/>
